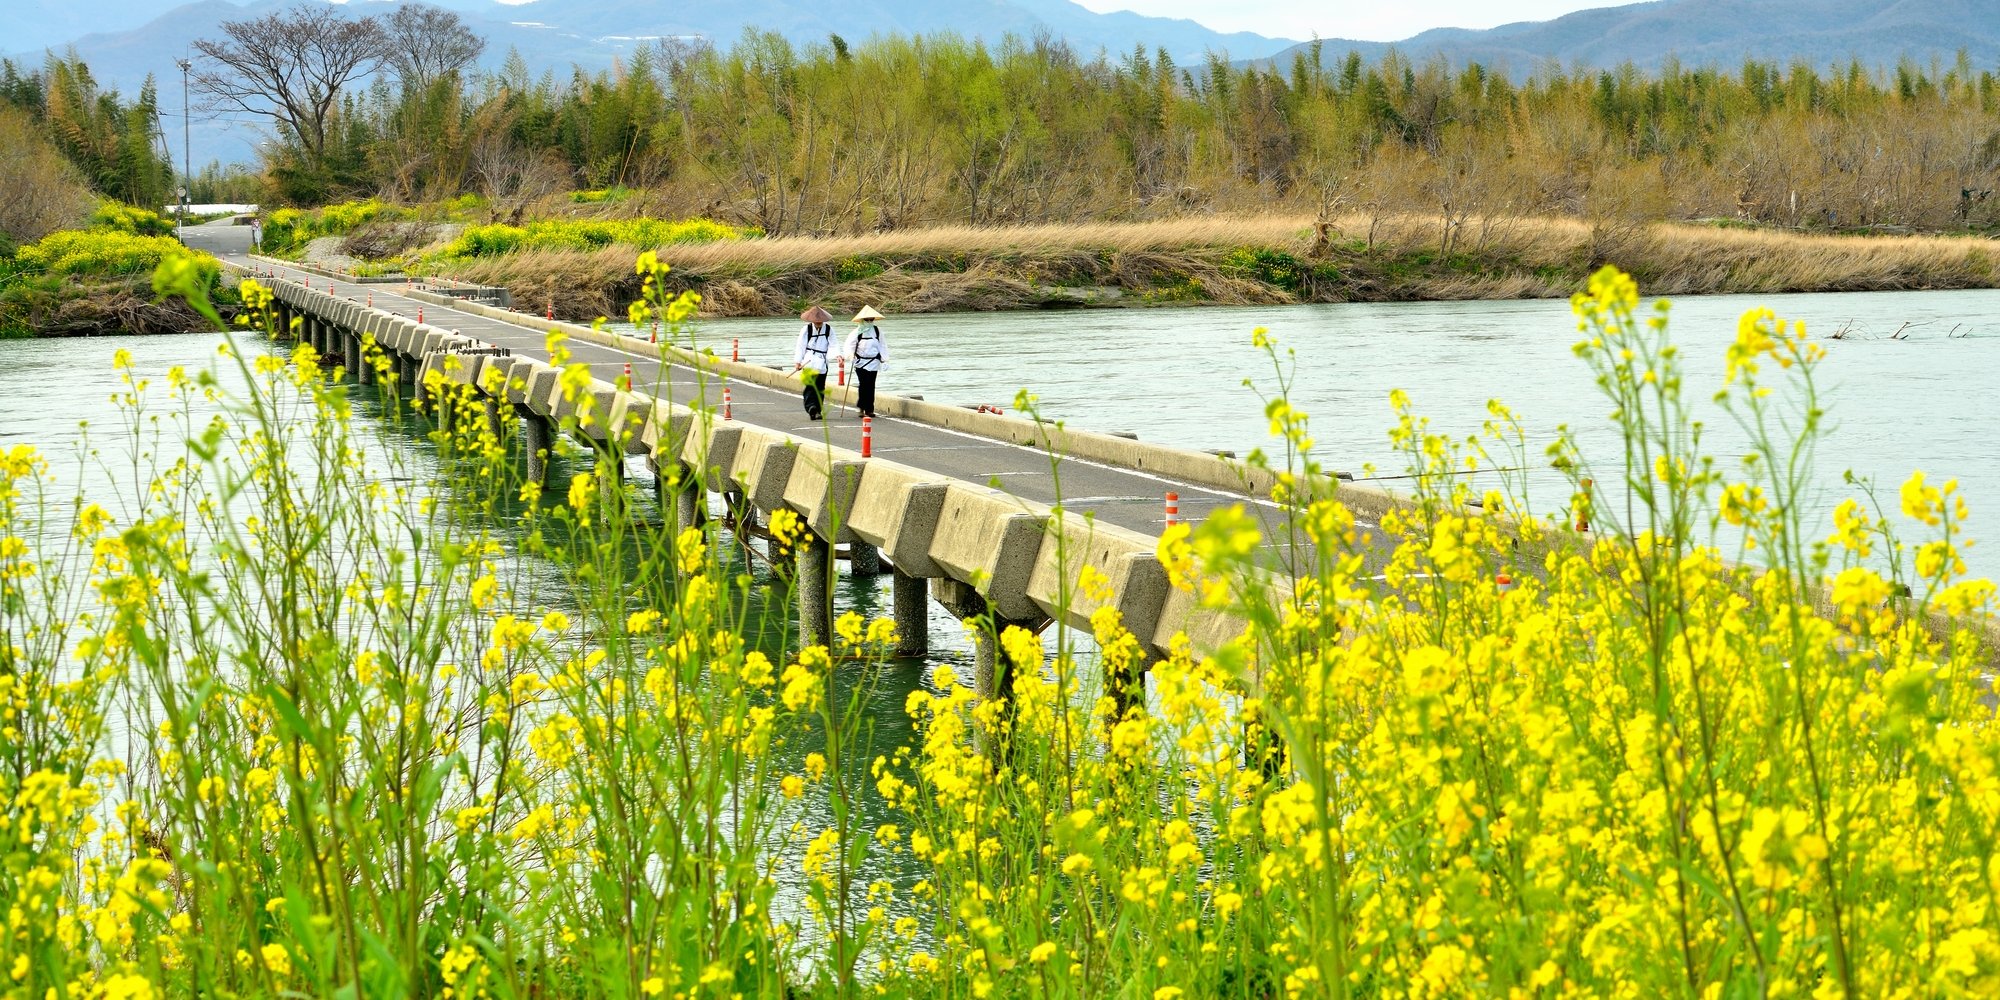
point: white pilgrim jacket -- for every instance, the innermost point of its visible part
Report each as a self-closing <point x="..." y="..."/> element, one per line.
<point x="871" y="353"/>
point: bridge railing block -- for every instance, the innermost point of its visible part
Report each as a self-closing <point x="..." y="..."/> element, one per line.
<point x="990" y="540"/>
<point x="896" y="509"/>
<point x="630" y="414"/>
<point x="711" y="450"/>
<point x="821" y="490"/>
<point x="541" y="386"/>
<point x="762" y="465"/>
<point x="666" y="433"/>
<point x="1136" y="584"/>
<point x="520" y="375"/>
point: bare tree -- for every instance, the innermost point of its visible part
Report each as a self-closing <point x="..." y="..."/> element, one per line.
<point x="428" y="44"/>
<point x="291" y="67"/>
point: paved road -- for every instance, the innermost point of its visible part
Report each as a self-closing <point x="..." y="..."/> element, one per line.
<point x="1121" y="497"/>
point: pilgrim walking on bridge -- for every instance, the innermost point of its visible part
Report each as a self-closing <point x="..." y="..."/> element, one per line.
<point x="809" y="357"/>
<point x="866" y="347"/>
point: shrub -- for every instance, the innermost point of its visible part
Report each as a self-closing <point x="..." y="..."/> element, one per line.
<point x="288" y="230"/>
<point x="1272" y="267"/>
<point x="461" y="207"/>
<point x="857" y="268"/>
<point x="104" y="254"/>
<point x="588" y="234"/>
<point x="118" y="217"/>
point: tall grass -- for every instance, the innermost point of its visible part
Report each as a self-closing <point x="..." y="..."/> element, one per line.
<point x="369" y="755"/>
<point x="1215" y="259"/>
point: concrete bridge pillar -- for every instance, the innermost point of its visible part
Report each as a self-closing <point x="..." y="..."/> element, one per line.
<point x="681" y="496"/>
<point x="538" y="443"/>
<point x="863" y="559"/>
<point x="990" y="670"/>
<point x="420" y="395"/>
<point x="678" y="494"/>
<point x="784" y="561"/>
<point x="494" y="425"/>
<point x="815" y="589"/>
<point x="610" y="470"/>
<point x="913" y="633"/>
<point x="351" y="342"/>
<point x="690" y="508"/>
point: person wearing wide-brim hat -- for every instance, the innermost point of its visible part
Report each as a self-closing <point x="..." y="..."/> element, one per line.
<point x="869" y="353"/>
<point x="810" y="356"/>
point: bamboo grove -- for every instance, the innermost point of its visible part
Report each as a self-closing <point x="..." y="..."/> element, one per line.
<point x="110" y="139"/>
<point x="896" y="132"/>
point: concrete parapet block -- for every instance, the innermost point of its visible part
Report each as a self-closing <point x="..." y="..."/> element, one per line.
<point x="666" y="433"/>
<point x="762" y="465"/>
<point x="491" y="378"/>
<point x="552" y="399"/>
<point x="630" y="415"/>
<point x="1138" y="584"/>
<point x="821" y="489"/>
<point x="541" y="386"/>
<point x="896" y="509"/>
<point x="592" y="409"/>
<point x="428" y="339"/>
<point x="991" y="541"/>
<point x="711" y="449"/>
<point x="459" y="368"/>
<point x="394" y="335"/>
<point x="1207" y="629"/>
<point x="410" y="344"/>
<point x="520" y="374"/>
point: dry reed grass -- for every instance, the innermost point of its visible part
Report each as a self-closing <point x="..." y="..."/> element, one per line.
<point x="1183" y="261"/>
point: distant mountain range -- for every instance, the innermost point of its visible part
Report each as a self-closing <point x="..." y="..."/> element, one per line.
<point x="1722" y="33"/>
<point x="558" y="33"/>
<point x="125" y="40"/>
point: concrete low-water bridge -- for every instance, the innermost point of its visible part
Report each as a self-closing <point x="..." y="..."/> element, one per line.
<point x="971" y="508"/>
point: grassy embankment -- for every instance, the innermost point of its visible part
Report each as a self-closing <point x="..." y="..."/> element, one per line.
<point x="98" y="280"/>
<point x="1231" y="261"/>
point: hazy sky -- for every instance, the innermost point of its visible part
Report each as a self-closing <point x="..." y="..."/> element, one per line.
<point x="1360" y="19"/>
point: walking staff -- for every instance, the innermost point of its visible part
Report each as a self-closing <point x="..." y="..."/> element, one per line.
<point x="809" y="358"/>
<point x="869" y="353"/>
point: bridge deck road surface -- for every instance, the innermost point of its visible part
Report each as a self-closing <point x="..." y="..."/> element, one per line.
<point x="1125" y="498"/>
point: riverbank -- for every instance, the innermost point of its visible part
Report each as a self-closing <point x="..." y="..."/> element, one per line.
<point x="45" y="306"/>
<point x="1238" y="261"/>
<point x="86" y="282"/>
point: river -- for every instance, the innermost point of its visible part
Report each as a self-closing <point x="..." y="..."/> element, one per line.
<point x="1911" y="384"/>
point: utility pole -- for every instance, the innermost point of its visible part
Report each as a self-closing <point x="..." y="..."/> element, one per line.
<point x="187" y="153"/>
